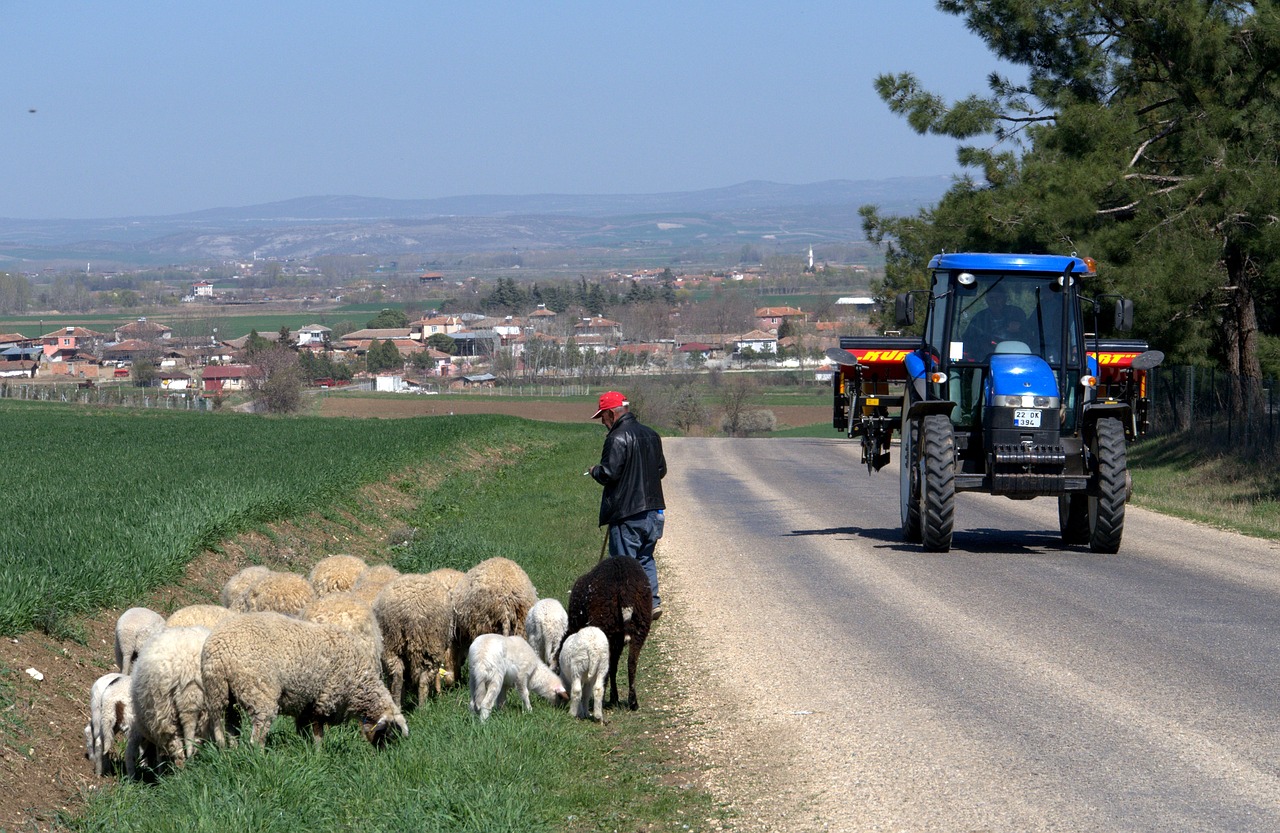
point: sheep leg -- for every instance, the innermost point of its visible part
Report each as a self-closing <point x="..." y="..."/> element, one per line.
<point x="575" y="698"/>
<point x="522" y="686"/>
<point x="395" y="670"/>
<point x="597" y="698"/>
<point x="632" y="659"/>
<point x="615" y="655"/>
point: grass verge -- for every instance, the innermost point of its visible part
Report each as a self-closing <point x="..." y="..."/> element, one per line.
<point x="519" y="493"/>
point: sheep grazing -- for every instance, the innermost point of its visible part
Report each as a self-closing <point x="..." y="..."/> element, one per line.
<point x="207" y="616"/>
<point x="492" y="597"/>
<point x="318" y="673"/>
<point x="110" y="716"/>
<point x="615" y="597"/>
<point x="545" y="627"/>
<point x="584" y="664"/>
<point x="352" y="613"/>
<point x="372" y="580"/>
<point x="277" y="592"/>
<point x="336" y="574"/>
<point x="497" y="663"/>
<point x="240" y="582"/>
<point x="416" y="619"/>
<point x="134" y="627"/>
<point x="168" y="698"/>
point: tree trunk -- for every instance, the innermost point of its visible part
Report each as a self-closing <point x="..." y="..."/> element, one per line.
<point x="1240" y="331"/>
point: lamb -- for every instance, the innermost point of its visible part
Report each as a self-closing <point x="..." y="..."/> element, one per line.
<point x="207" y="616"/>
<point x="134" y="627"/>
<point x="545" y="627"/>
<point x="615" y="597"/>
<point x="336" y="573"/>
<point x="279" y="592"/>
<point x="372" y="580"/>
<point x="240" y="582"/>
<point x="110" y="715"/>
<point x="499" y="662"/>
<point x="168" y="698"/>
<point x="318" y="673"/>
<point x="416" y="619"/>
<point x="352" y="613"/>
<point x="494" y="596"/>
<point x="584" y="664"/>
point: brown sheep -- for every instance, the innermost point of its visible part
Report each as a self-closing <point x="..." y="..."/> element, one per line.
<point x="615" y="597"/>
<point x="286" y="593"/>
<point x="240" y="582"/>
<point x="372" y="580"/>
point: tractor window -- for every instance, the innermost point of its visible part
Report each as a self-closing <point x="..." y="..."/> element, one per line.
<point x="1008" y="314"/>
<point x="938" y="317"/>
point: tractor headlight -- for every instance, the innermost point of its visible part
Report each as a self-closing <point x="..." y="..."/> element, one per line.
<point x="1042" y="401"/>
<point x="1028" y="401"/>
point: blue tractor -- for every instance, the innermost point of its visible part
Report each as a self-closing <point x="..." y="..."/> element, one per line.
<point x="999" y="396"/>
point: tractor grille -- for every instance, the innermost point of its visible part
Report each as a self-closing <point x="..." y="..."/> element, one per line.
<point x="1030" y="455"/>
<point x="1028" y="469"/>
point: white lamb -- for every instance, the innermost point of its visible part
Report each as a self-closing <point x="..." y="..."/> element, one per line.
<point x="545" y="627"/>
<point x="134" y="627"/>
<point x="110" y="715"/>
<point x="168" y="698"/>
<point x="584" y="666"/>
<point x="499" y="662"/>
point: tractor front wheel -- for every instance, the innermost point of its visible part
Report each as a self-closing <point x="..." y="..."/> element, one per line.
<point x="938" y="482"/>
<point x="1106" y="507"/>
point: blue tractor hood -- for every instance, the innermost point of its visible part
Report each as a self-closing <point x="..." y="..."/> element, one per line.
<point x="1018" y="375"/>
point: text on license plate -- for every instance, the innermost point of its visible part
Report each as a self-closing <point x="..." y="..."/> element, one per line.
<point x="1026" y="418"/>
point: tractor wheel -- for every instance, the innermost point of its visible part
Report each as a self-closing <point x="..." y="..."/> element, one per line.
<point x="1106" y="509"/>
<point x="909" y="481"/>
<point x="1073" y="518"/>
<point x="938" y="482"/>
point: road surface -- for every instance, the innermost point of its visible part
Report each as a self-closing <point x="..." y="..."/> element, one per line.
<point x="843" y="680"/>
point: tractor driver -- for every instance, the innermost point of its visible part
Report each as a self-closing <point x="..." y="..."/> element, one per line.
<point x="999" y="321"/>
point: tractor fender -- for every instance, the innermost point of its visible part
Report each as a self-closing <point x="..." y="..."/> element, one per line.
<point x="928" y="407"/>
<point x="1123" y="411"/>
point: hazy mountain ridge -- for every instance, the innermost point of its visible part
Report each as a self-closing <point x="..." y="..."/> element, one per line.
<point x="309" y="226"/>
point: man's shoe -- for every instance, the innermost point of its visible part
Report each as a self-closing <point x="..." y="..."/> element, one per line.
<point x="657" y="614"/>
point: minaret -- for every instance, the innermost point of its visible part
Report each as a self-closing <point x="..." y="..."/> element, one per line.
<point x="810" y="258"/>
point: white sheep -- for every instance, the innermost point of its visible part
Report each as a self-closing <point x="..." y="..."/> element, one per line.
<point x="240" y="582"/>
<point x="208" y="616"/>
<point x="416" y="620"/>
<point x="496" y="663"/>
<point x="110" y="716"/>
<point x="134" y="627"/>
<point x="168" y="698"/>
<point x="545" y="627"/>
<point x="584" y="667"/>
<point x="336" y="573"/>
<point x="318" y="673"/>
<point x="372" y="580"/>
<point x="494" y="596"/>
<point x="352" y="613"/>
<point x="278" y="592"/>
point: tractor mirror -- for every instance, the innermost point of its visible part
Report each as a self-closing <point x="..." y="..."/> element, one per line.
<point x="1124" y="315"/>
<point x="904" y="307"/>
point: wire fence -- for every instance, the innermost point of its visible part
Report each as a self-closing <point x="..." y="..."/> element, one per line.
<point x="1216" y="409"/>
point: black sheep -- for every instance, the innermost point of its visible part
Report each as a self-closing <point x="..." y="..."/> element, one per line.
<point x="616" y="598"/>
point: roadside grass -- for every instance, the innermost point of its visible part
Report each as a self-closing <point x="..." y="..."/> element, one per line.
<point x="1181" y="477"/>
<point x="103" y="505"/>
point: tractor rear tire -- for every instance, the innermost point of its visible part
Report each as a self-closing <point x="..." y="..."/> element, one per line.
<point x="1106" y="508"/>
<point x="1073" y="518"/>
<point x="938" y="482"/>
<point x="909" y="480"/>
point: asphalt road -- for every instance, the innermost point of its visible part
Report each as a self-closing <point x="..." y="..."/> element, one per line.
<point x="843" y="680"/>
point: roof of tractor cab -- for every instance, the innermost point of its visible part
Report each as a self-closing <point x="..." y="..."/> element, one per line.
<point x="984" y="262"/>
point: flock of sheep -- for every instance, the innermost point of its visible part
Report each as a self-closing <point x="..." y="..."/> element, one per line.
<point x="343" y="642"/>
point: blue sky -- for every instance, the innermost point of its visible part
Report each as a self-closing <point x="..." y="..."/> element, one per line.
<point x="146" y="107"/>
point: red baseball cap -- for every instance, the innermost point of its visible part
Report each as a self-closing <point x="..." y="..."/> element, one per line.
<point x="608" y="401"/>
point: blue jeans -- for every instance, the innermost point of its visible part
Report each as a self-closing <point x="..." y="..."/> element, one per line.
<point x="635" y="537"/>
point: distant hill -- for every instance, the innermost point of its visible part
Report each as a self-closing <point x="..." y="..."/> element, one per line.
<point x="308" y="226"/>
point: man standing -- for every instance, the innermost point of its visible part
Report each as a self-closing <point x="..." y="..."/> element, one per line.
<point x="631" y="470"/>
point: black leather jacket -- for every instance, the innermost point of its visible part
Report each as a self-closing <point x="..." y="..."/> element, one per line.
<point x="631" y="470"/>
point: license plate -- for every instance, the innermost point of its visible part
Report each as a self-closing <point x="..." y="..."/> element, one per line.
<point x="1023" y="418"/>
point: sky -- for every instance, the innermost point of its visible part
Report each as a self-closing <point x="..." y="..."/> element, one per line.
<point x="154" y="107"/>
